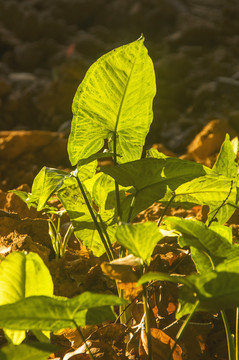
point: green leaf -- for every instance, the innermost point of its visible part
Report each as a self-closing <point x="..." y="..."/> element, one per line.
<point x="87" y="171"/>
<point x="55" y="313"/>
<point x="211" y="189"/>
<point x="46" y="183"/>
<point x="84" y="228"/>
<point x="216" y="290"/>
<point x="21" y="276"/>
<point x="31" y="351"/>
<point x="23" y="195"/>
<point x="114" y="101"/>
<point x="139" y="239"/>
<point x="227" y="166"/>
<point x="226" y="161"/>
<point x="153" y="179"/>
<point x="208" y="245"/>
<point x="153" y="153"/>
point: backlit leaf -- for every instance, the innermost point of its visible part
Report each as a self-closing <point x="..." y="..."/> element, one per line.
<point x="31" y="351"/>
<point x="139" y="239"/>
<point x="55" y="313"/>
<point x="209" y="245"/>
<point x="114" y="101"/>
<point x="21" y="276"/>
<point x="153" y="179"/>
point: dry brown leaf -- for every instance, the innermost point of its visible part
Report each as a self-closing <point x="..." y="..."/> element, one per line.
<point x="73" y="335"/>
<point x="124" y="273"/>
<point x="131" y="290"/>
<point x="162" y="344"/>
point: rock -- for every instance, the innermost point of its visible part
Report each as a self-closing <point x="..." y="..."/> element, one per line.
<point x="11" y="204"/>
<point x="209" y="140"/>
<point x="19" y="242"/>
<point x="16" y="143"/>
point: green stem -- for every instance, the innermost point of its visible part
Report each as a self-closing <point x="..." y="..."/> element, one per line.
<point x="83" y="339"/>
<point x="117" y="194"/>
<point x="230" y="342"/>
<point x="131" y="208"/>
<point x="237" y="333"/>
<point x="147" y="322"/>
<point x="166" y="208"/>
<point x="66" y="238"/>
<point x="182" y="329"/>
<point x="107" y="237"/>
<point x="98" y="228"/>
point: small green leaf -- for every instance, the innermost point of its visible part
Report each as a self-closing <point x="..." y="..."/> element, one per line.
<point x="139" y="239"/>
<point x="208" y="245"/>
<point x="31" y="351"/>
<point x="55" y="313"/>
<point x="226" y="161"/>
<point x="46" y="183"/>
<point x="216" y="289"/>
<point x="114" y="101"/>
<point x="23" y="195"/>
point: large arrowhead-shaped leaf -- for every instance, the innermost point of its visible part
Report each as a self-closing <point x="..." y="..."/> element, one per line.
<point x="32" y="351"/>
<point x="21" y="276"/>
<point x="114" y="101"/>
<point x="139" y="239"/>
<point x="153" y="179"/>
<point x="55" y="313"/>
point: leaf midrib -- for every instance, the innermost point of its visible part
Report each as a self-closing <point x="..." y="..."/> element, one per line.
<point x="123" y="97"/>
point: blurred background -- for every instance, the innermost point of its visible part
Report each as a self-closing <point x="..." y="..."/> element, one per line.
<point x="47" y="46"/>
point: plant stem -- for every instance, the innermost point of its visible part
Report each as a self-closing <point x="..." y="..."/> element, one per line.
<point x="117" y="194"/>
<point x="166" y="208"/>
<point x="237" y="334"/>
<point x="147" y="322"/>
<point x="131" y="208"/>
<point x="83" y="339"/>
<point x="107" y="237"/>
<point x="230" y="342"/>
<point x="182" y="329"/>
<point x="66" y="238"/>
<point x="98" y="228"/>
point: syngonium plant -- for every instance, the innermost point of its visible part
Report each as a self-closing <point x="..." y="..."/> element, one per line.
<point x="112" y="108"/>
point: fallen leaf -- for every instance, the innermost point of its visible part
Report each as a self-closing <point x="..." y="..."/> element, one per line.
<point x="162" y="344"/>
